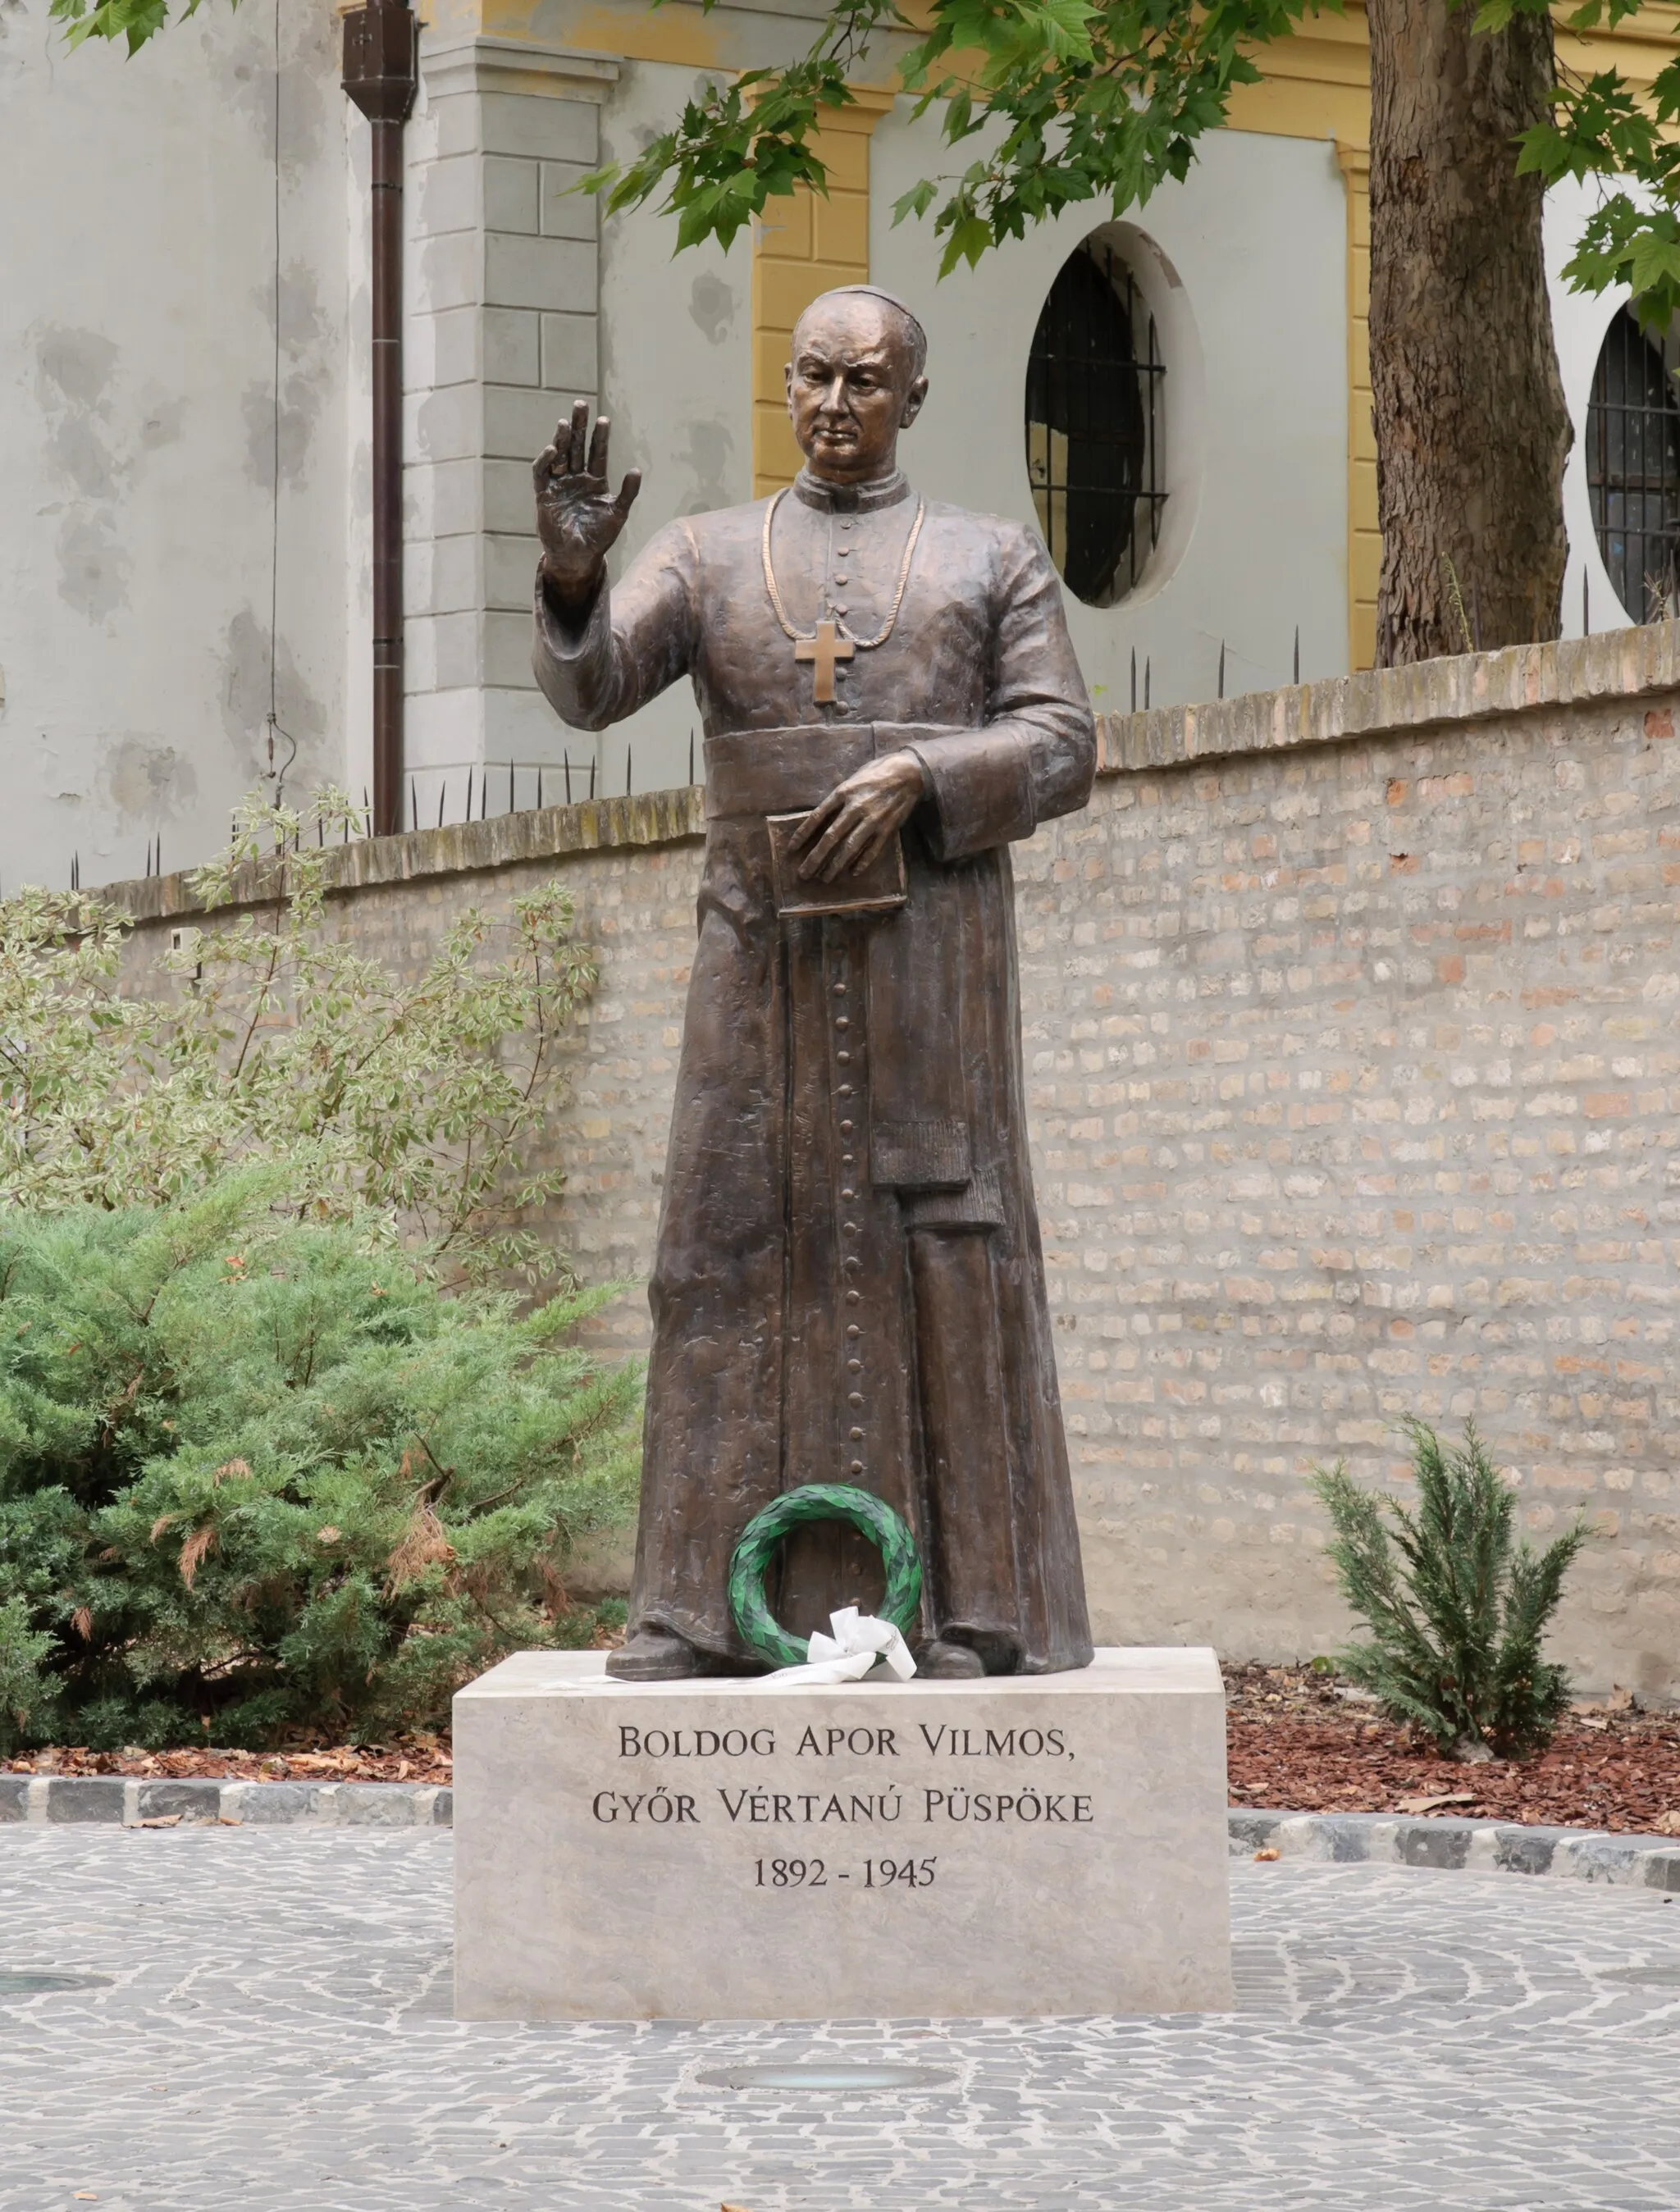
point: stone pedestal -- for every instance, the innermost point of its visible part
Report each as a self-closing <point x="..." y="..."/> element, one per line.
<point x="750" y="1851"/>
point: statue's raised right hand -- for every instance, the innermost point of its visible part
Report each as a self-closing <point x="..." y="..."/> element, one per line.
<point x="576" y="520"/>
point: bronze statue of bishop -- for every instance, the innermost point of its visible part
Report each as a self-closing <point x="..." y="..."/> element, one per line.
<point x="848" y="1286"/>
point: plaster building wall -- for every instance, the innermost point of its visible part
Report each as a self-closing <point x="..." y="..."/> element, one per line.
<point x="1349" y="1023"/>
<point x="138" y="523"/>
<point x="1244" y="267"/>
<point x="677" y="378"/>
<point x="140" y="539"/>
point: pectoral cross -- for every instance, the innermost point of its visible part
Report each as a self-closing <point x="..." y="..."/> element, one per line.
<point x="826" y="648"/>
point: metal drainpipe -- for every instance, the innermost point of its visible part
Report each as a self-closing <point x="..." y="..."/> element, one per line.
<point x="381" y="74"/>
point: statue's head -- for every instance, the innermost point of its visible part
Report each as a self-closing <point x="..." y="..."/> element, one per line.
<point x="854" y="381"/>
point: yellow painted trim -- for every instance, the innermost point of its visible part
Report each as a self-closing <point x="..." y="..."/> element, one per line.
<point x="1365" y="544"/>
<point x="801" y="248"/>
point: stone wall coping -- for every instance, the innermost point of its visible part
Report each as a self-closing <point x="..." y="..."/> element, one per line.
<point x="1465" y="1846"/>
<point x="1432" y="696"/>
<point x="547" y="833"/>
<point x="1379" y="702"/>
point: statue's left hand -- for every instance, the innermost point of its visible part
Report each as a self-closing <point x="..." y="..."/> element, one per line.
<point x="857" y="818"/>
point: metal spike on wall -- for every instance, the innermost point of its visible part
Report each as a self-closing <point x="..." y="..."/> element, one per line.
<point x="629" y="755"/>
<point x="467" y="816"/>
<point x="413" y="806"/>
<point x="592" y="778"/>
<point x="540" y="787"/>
<point x="510" y="787"/>
<point x="1133" y="679"/>
<point x="1296" y="677"/>
<point x="1586" y="603"/>
<point x="568" y="778"/>
<point x="691" y="757"/>
<point x="1146" y="665"/>
<point x="1221" y="668"/>
<point x="442" y="793"/>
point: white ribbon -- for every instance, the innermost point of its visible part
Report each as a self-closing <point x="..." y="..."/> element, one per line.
<point x="858" y="1641"/>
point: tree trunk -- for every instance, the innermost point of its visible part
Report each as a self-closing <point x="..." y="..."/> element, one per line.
<point x="1472" y="432"/>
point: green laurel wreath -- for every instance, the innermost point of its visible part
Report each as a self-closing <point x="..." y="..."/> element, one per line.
<point x="758" y="1628"/>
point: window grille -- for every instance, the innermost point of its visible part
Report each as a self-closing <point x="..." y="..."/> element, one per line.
<point x="1633" y="466"/>
<point x="1094" y="426"/>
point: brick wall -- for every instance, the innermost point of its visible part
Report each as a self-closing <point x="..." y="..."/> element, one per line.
<point x="1350" y="1020"/>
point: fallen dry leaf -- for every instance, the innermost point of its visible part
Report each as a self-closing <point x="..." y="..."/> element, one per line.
<point x="1668" y="1824"/>
<point x="1269" y="1853"/>
<point x="1430" y="1804"/>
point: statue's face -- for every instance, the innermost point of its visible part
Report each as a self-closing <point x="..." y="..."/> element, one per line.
<point x="851" y="387"/>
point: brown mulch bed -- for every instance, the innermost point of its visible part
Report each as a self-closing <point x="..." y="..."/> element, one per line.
<point x="1298" y="1742"/>
<point x="404" y="1758"/>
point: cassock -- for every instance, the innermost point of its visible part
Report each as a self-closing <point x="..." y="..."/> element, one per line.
<point x="848" y="1286"/>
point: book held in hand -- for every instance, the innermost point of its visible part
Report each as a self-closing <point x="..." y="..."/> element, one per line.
<point x="878" y="888"/>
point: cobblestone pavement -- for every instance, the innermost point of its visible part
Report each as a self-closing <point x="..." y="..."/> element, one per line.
<point x="275" y="2035"/>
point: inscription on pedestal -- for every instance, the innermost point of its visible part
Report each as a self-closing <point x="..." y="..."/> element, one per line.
<point x="887" y="1834"/>
<point x="763" y="1850"/>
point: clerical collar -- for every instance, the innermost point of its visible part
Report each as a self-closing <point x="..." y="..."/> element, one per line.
<point x="850" y="498"/>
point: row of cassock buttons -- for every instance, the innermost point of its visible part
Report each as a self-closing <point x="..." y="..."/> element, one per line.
<point x="848" y="1229"/>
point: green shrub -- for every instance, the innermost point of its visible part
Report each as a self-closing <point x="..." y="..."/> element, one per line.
<point x="268" y="1036"/>
<point x="258" y="1475"/>
<point x="1457" y="1607"/>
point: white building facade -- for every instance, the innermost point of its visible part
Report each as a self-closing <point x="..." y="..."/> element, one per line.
<point x="185" y="488"/>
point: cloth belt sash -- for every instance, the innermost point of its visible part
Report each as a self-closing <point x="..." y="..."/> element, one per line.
<point x="915" y="959"/>
<point x="758" y="772"/>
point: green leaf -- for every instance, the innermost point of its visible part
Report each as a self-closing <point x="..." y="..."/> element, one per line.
<point x="917" y="201"/>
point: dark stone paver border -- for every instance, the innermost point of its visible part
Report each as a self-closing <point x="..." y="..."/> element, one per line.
<point x="1476" y="1846"/>
<point x="58" y="1799"/>
<point x="1382" y="1838"/>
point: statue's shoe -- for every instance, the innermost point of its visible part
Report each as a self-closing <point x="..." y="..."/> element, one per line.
<point x="949" y="1662"/>
<point x="654" y="1655"/>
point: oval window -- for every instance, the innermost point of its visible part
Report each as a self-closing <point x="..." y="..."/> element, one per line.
<point x="1633" y="466"/>
<point x="1093" y="426"/>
